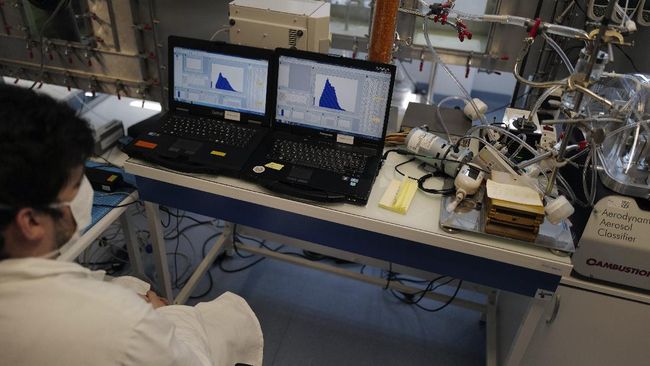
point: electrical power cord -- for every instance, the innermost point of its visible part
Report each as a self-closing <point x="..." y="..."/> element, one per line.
<point x="115" y="206"/>
<point x="430" y="288"/>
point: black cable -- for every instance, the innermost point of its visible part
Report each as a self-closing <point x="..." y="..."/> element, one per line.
<point x="406" y="152"/>
<point x="636" y="69"/>
<point x="400" y="172"/>
<point x="178" y="243"/>
<point x="407" y="298"/>
<point x="421" y="180"/>
<point x="204" y="293"/>
<point x="234" y="245"/>
<point x="114" y="206"/>
<point x="451" y="299"/>
<point x="183" y="230"/>
<point x="262" y="244"/>
<point x="239" y="269"/>
<point x="390" y="275"/>
<point x="166" y="210"/>
<point x="169" y="216"/>
<point x="235" y="240"/>
<point x="205" y="243"/>
<point x="295" y="254"/>
<point x="258" y="241"/>
<point x="112" y="237"/>
<point x="429" y="289"/>
<point x="277" y="249"/>
<point x="402" y="279"/>
<point x="443" y="191"/>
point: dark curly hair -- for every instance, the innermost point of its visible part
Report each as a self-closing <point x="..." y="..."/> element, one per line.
<point x="41" y="141"/>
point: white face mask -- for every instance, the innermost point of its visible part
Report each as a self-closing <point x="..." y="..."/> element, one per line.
<point x="81" y="207"/>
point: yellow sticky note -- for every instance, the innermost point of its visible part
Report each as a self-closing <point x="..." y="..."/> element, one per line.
<point x="274" y="166"/>
<point x="398" y="195"/>
<point x="111" y="178"/>
<point x="218" y="153"/>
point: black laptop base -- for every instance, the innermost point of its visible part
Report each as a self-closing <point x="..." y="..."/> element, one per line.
<point x="310" y="183"/>
<point x="189" y="155"/>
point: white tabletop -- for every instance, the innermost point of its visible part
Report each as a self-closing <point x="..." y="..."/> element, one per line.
<point x="420" y="224"/>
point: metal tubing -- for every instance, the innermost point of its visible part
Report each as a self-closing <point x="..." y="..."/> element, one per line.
<point x="579" y="96"/>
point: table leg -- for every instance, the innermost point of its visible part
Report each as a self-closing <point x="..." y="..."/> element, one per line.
<point x="491" y="329"/>
<point x="159" y="250"/>
<point x="135" y="258"/>
<point x="527" y="328"/>
<point x="204" y="266"/>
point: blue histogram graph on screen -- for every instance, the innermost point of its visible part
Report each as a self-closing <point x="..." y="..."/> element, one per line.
<point x="223" y="84"/>
<point x="328" y="97"/>
<point x="335" y="93"/>
<point x="227" y="78"/>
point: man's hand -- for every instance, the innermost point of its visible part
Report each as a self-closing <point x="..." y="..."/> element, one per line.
<point x="155" y="300"/>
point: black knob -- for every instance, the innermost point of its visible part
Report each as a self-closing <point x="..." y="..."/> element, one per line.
<point x="299" y="33"/>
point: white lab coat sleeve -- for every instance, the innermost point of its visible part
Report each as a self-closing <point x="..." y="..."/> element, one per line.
<point x="234" y="332"/>
<point x="189" y="329"/>
<point x="225" y="328"/>
<point x="154" y="341"/>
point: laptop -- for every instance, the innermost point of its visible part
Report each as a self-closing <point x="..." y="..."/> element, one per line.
<point x="327" y="138"/>
<point x="218" y="108"/>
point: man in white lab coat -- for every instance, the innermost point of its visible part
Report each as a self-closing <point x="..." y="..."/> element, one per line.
<point x="58" y="313"/>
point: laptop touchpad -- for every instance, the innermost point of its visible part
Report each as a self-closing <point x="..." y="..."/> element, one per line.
<point x="185" y="147"/>
<point x="300" y="174"/>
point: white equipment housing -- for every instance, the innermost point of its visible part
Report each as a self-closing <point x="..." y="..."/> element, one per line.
<point x="287" y="24"/>
<point x="614" y="246"/>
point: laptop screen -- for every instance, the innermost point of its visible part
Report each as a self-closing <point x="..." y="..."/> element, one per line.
<point x="220" y="81"/>
<point x="332" y="98"/>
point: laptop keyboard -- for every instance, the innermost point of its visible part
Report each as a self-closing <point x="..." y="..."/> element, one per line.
<point x="318" y="156"/>
<point x="208" y="130"/>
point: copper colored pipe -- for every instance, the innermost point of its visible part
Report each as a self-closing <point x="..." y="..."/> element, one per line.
<point x="383" y="31"/>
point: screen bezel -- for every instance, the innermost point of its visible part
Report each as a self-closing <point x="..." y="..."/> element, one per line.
<point x="226" y="49"/>
<point x="337" y="61"/>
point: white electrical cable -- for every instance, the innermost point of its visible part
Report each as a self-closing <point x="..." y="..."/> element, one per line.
<point x="218" y="31"/>
<point x="439" y="61"/>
